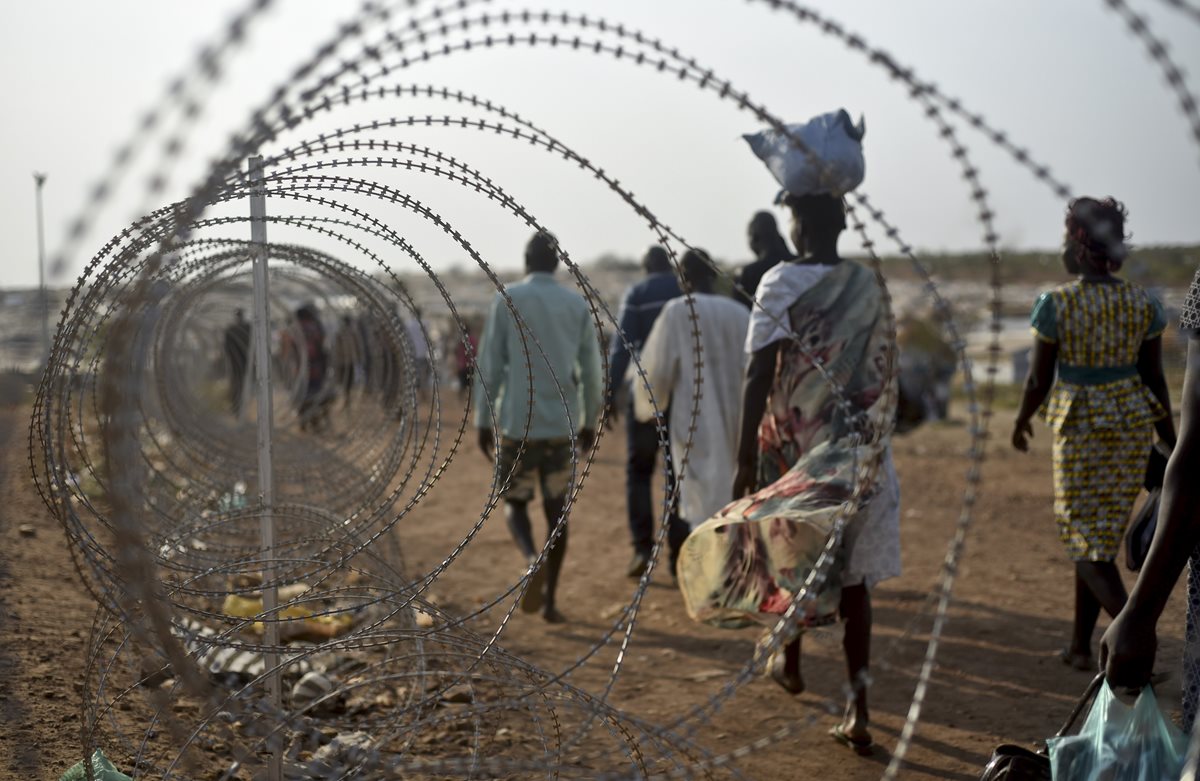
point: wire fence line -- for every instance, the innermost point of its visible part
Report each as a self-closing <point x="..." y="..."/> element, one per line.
<point x="157" y="493"/>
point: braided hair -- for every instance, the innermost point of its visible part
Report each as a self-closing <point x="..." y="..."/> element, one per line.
<point x="1096" y="234"/>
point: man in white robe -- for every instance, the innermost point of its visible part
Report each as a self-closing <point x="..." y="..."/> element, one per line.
<point x="669" y="359"/>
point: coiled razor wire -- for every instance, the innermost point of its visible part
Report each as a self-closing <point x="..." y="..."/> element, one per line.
<point x="156" y="488"/>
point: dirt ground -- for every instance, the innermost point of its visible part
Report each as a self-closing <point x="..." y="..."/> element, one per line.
<point x="998" y="678"/>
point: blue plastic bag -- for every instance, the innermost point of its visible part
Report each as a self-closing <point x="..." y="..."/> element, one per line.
<point x="1120" y="743"/>
<point x="102" y="770"/>
<point x="835" y="165"/>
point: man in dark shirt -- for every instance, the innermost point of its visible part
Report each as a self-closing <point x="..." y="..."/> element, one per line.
<point x="769" y="249"/>
<point x="237" y="353"/>
<point x="313" y="413"/>
<point x="639" y="308"/>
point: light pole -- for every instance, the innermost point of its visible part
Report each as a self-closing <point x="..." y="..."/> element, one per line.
<point x="40" y="180"/>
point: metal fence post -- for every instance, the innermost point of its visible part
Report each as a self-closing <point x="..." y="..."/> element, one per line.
<point x="266" y="483"/>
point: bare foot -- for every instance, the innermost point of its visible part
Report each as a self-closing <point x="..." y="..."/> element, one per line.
<point x="551" y="616"/>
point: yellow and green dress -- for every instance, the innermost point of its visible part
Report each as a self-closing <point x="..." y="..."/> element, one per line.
<point x="1101" y="413"/>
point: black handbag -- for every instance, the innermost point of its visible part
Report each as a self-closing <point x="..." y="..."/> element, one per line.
<point x="1156" y="467"/>
<point x="1145" y="520"/>
<point x="1141" y="531"/>
<point x="1010" y="762"/>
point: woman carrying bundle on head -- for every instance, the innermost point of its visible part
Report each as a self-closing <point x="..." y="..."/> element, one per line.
<point x="814" y="451"/>
<point x="814" y="448"/>
<point x="1103" y="336"/>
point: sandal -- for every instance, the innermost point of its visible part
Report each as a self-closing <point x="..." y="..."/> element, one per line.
<point x="864" y="747"/>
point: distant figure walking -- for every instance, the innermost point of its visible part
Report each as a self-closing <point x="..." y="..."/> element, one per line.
<point x="640" y="307"/>
<point x="538" y="400"/>
<point x="670" y="360"/>
<point x="313" y="412"/>
<point x="423" y="358"/>
<point x="1103" y="338"/>
<point x="465" y="351"/>
<point x="346" y="351"/>
<point x="769" y="250"/>
<point x="802" y="447"/>
<point x="237" y="354"/>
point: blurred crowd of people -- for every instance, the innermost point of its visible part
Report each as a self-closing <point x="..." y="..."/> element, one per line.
<point x="324" y="359"/>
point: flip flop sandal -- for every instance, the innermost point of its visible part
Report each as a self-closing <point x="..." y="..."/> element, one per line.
<point x="864" y="747"/>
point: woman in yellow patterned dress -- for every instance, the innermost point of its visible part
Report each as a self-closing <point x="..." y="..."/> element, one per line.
<point x="1103" y="335"/>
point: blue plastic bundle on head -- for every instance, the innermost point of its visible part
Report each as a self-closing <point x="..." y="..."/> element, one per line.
<point x="830" y="161"/>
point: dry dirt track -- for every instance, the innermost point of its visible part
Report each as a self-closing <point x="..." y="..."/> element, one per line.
<point x="998" y="678"/>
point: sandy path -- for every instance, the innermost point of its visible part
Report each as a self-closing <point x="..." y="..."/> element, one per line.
<point x="997" y="679"/>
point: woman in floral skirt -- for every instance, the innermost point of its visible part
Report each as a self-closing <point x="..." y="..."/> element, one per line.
<point x="814" y="456"/>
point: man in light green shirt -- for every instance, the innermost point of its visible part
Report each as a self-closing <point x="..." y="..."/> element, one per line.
<point x="538" y="381"/>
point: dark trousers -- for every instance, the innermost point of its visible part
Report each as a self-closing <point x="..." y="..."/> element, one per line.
<point x="642" y="449"/>
<point x="237" y="381"/>
<point x="677" y="532"/>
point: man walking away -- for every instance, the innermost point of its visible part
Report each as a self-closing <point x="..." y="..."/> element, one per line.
<point x="237" y="352"/>
<point x="313" y="413"/>
<point x="345" y="356"/>
<point x="639" y="308"/>
<point x="670" y="360"/>
<point x="769" y="248"/>
<point x="520" y="390"/>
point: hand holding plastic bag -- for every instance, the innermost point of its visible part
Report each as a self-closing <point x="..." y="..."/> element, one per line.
<point x="1120" y="743"/>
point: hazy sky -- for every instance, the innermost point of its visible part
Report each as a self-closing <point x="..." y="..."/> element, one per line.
<point x="1062" y="77"/>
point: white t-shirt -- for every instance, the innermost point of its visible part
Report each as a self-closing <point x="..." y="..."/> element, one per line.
<point x="778" y="290"/>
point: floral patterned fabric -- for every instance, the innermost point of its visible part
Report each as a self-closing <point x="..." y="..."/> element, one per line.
<point x="816" y="443"/>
